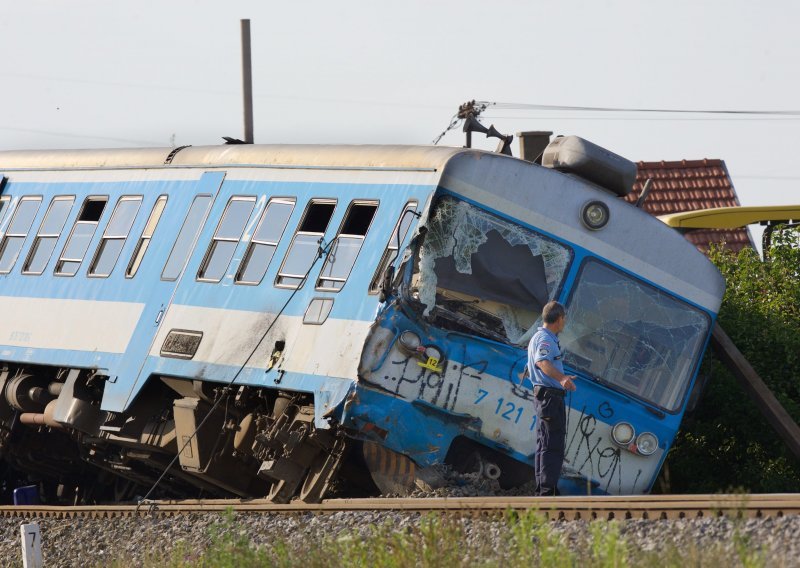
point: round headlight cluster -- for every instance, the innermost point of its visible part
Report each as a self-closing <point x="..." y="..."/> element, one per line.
<point x="411" y="344"/>
<point x="646" y="444"/>
<point x="623" y="433"/>
<point x="595" y="215"/>
<point x="410" y="341"/>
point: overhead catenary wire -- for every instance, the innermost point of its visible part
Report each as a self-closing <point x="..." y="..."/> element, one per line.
<point x="715" y="114"/>
<point x="536" y="106"/>
<point x="321" y="252"/>
<point x="654" y="119"/>
<point x="453" y="123"/>
<point x="82" y="136"/>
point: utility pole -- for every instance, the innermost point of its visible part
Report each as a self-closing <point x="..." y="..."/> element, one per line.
<point x="247" y="83"/>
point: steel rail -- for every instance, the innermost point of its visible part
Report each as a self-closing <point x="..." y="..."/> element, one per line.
<point x="567" y="508"/>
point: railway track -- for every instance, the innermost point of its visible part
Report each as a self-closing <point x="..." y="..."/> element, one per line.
<point x="567" y="508"/>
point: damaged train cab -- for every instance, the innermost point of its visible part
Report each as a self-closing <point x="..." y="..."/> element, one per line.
<point x="443" y="375"/>
<point x="270" y="321"/>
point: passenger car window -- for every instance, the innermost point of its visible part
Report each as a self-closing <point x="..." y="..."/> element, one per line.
<point x="226" y="238"/>
<point x="3" y="203"/>
<point x="343" y="252"/>
<point x="305" y="244"/>
<point x="147" y="235"/>
<point x="265" y="240"/>
<point x="47" y="236"/>
<point x="186" y="238"/>
<point x="81" y="236"/>
<point x="115" y="235"/>
<point x="397" y="238"/>
<point x="17" y="232"/>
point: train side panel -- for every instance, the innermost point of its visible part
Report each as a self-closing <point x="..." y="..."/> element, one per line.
<point x="266" y="335"/>
<point x="119" y="325"/>
<point x="76" y="320"/>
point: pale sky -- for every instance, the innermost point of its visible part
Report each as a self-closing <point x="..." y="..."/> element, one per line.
<point x="86" y="74"/>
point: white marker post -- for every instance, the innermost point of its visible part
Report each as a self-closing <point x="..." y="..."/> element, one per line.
<point x="31" y="546"/>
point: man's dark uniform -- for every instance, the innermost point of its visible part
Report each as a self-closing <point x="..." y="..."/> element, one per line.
<point x="548" y="404"/>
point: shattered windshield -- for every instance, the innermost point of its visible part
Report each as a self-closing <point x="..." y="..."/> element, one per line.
<point x="631" y="336"/>
<point x="483" y="273"/>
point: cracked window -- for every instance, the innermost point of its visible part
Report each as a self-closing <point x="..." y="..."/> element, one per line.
<point x="631" y="336"/>
<point x="483" y="273"/>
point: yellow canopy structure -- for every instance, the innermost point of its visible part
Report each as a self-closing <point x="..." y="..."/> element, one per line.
<point x="732" y="217"/>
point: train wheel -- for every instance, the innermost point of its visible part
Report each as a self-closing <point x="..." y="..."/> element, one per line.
<point x="321" y="473"/>
<point x="282" y="491"/>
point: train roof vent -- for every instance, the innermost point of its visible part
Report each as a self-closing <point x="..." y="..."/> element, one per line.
<point x="575" y="155"/>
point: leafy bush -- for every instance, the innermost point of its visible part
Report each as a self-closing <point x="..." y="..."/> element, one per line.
<point x="726" y="443"/>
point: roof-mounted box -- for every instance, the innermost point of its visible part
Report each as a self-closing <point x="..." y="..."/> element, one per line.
<point x="575" y="155"/>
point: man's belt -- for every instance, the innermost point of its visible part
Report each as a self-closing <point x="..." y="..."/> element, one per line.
<point x="541" y="392"/>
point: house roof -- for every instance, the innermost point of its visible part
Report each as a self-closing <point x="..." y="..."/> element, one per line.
<point x="689" y="185"/>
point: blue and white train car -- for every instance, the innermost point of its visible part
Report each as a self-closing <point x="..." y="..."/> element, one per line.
<point x="274" y="318"/>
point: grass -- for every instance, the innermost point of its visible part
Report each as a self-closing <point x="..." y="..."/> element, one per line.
<point x="526" y="539"/>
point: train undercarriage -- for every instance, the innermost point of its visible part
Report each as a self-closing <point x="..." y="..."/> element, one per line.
<point x="179" y="439"/>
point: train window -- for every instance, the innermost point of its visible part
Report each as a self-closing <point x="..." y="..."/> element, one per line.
<point x="632" y="336"/>
<point x="17" y="232"/>
<point x="484" y="274"/>
<point x="115" y="235"/>
<point x="81" y="236"/>
<point x="392" y="247"/>
<point x="47" y="237"/>
<point x="186" y="238"/>
<point x="226" y="239"/>
<point x="3" y="202"/>
<point x="305" y="244"/>
<point x="265" y="240"/>
<point x="344" y="251"/>
<point x="147" y="235"/>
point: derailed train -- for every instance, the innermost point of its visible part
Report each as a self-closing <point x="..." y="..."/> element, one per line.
<point x="277" y="318"/>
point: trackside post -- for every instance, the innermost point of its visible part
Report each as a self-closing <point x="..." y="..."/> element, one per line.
<point x="31" y="545"/>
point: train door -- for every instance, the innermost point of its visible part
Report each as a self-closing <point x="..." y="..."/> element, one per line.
<point x="190" y="208"/>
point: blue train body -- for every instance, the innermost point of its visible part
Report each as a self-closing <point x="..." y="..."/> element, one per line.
<point x="278" y="317"/>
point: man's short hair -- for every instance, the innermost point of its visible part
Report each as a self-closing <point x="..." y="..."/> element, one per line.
<point x="552" y="312"/>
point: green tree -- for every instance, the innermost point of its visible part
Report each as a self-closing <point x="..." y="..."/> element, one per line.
<point x="726" y="443"/>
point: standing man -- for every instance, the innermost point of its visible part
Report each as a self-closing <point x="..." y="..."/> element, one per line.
<point x="550" y="385"/>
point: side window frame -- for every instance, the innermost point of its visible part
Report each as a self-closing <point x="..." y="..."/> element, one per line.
<point x="255" y="242"/>
<point x="101" y="247"/>
<point x="40" y="235"/>
<point x="4" y="200"/>
<point x="62" y="259"/>
<point x="213" y="246"/>
<point x="353" y="204"/>
<point x="143" y="243"/>
<point x="186" y="254"/>
<point x="11" y="235"/>
<point x="298" y="232"/>
<point x="391" y="250"/>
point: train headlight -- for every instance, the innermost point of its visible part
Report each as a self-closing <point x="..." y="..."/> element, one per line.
<point x="595" y="215"/>
<point x="433" y="353"/>
<point x="646" y="443"/>
<point x="410" y="341"/>
<point x="623" y="433"/>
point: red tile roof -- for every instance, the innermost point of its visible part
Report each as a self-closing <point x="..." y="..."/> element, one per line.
<point x="689" y="185"/>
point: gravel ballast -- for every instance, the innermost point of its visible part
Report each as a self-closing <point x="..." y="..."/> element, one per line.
<point x="99" y="542"/>
<point x="132" y="541"/>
